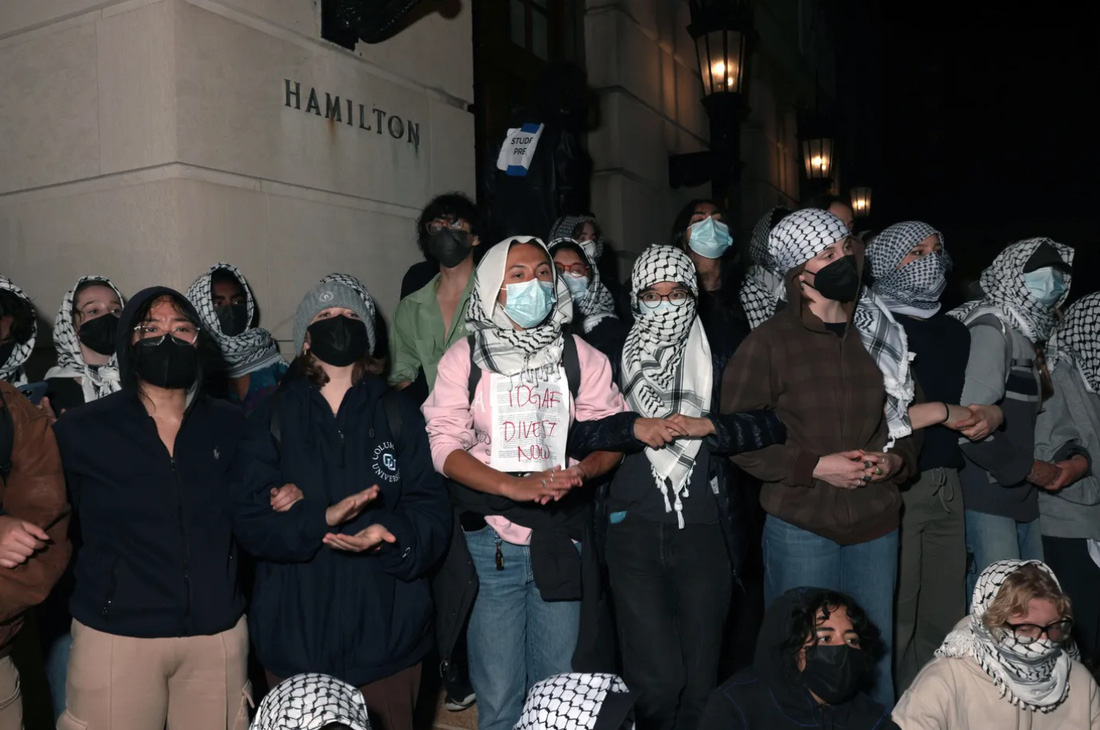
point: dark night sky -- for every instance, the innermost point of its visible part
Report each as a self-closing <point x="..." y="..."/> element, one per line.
<point x="982" y="123"/>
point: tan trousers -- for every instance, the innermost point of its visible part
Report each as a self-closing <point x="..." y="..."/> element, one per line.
<point x="11" y="701"/>
<point x="190" y="683"/>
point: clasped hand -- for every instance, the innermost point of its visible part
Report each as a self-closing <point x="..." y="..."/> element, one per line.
<point x="344" y="511"/>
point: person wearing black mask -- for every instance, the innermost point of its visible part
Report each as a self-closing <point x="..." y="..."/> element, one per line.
<point x="18" y="330"/>
<point x="158" y="633"/>
<point x="335" y="495"/>
<point x="433" y="317"/>
<point x="249" y="367"/>
<point x="813" y="660"/>
<point x="84" y="335"/>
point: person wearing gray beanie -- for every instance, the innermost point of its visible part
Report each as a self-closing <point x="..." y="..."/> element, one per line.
<point x="348" y="472"/>
<point x="331" y="294"/>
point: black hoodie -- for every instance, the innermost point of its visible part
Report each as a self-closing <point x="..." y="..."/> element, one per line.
<point x="157" y="557"/>
<point x="770" y="695"/>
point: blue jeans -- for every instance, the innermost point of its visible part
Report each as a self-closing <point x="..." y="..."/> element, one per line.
<point x="515" y="638"/>
<point x="794" y="557"/>
<point x="57" y="671"/>
<point x="990" y="538"/>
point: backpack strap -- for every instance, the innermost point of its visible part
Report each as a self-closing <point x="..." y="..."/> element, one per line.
<point x="392" y="406"/>
<point x="275" y="420"/>
<point x="7" y="439"/>
<point x="570" y="360"/>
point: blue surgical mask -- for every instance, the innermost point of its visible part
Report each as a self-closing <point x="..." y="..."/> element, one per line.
<point x="528" y="303"/>
<point x="578" y="285"/>
<point x="663" y="307"/>
<point x="709" y="238"/>
<point x="1046" y="285"/>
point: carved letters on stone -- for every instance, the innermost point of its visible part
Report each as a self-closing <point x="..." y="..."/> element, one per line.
<point x="346" y="111"/>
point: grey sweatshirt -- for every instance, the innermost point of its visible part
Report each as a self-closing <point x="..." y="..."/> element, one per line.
<point x="1074" y="511"/>
<point x="1002" y="370"/>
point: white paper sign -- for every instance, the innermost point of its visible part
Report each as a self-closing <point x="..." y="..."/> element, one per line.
<point x="519" y="149"/>
<point x="530" y="423"/>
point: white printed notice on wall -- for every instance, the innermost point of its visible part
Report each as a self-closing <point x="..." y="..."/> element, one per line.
<point x="530" y="423"/>
<point x="519" y="149"/>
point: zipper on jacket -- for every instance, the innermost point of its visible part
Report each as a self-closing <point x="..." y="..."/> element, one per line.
<point x="113" y="586"/>
<point x="183" y="545"/>
<point x="340" y="433"/>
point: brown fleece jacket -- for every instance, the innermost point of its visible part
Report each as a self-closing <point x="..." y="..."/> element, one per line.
<point x="34" y="492"/>
<point x="828" y="392"/>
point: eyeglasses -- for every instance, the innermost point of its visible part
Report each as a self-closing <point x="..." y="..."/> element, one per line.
<point x="575" y="269"/>
<point x="151" y="330"/>
<point x="1027" y="633"/>
<point x="438" y="225"/>
<point x="676" y="297"/>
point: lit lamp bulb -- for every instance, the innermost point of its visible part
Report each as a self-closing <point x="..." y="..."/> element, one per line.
<point x="819" y="162"/>
<point x="860" y="203"/>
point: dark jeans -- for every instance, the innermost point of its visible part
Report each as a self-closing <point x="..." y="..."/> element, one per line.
<point x="671" y="590"/>
<point x="1080" y="578"/>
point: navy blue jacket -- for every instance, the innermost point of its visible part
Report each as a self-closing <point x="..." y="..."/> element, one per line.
<point x="157" y="557"/>
<point x="358" y="617"/>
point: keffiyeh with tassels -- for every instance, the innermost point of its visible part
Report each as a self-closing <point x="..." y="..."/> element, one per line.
<point x="576" y="702"/>
<point x="597" y="304"/>
<point x="535" y="353"/>
<point x="566" y="227"/>
<point x="915" y="289"/>
<point x="12" y="369"/>
<point x="762" y="281"/>
<point x="1078" y="339"/>
<point x="312" y="702"/>
<point x="252" y="350"/>
<point x="1007" y="297"/>
<point x="806" y="233"/>
<point x="1032" y="677"/>
<point x="95" y="381"/>
<point x="667" y="368"/>
<point x="368" y="301"/>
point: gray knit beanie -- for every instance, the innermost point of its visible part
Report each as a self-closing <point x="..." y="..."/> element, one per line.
<point x="330" y="294"/>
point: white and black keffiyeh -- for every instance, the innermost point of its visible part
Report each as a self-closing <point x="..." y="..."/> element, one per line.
<point x="1078" y="339"/>
<point x="806" y="233"/>
<point x="577" y="702"/>
<point x="762" y="281"/>
<point x="1007" y="297"/>
<point x="252" y="350"/>
<point x="95" y="381"/>
<point x="312" y="702"/>
<point x="915" y="289"/>
<point x="597" y="304"/>
<point x="1033" y="676"/>
<point x="368" y="301"/>
<point x="566" y="227"/>
<point x="656" y="381"/>
<point x="535" y="353"/>
<point x="12" y="369"/>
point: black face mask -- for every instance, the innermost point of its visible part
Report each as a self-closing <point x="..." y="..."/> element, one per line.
<point x="449" y="246"/>
<point x="98" y="334"/>
<point x="338" y="341"/>
<point x="5" y="351"/>
<point x="232" y="318"/>
<point x="834" y="673"/>
<point x="839" y="280"/>
<point x="166" y="362"/>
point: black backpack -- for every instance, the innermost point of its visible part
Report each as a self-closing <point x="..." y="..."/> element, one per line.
<point x="569" y="360"/>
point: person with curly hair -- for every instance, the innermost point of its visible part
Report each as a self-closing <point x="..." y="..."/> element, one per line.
<point x="813" y="660"/>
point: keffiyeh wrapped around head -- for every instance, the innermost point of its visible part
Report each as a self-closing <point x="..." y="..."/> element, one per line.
<point x="251" y="350"/>
<point x="667" y="367"/>
<point x="806" y="233"/>
<point x="762" y="281"/>
<point x="1078" y="339"/>
<point x="1033" y="676"/>
<point x="915" y="289"/>
<point x="95" y="381"/>
<point x="1006" y="296"/>
<point x="499" y="346"/>
<point x="312" y="702"/>
<point x="11" y="369"/>
<point x="597" y="303"/>
<point x="567" y="225"/>
<point x="577" y="702"/>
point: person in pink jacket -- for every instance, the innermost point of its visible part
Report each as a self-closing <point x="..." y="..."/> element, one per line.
<point x="499" y="421"/>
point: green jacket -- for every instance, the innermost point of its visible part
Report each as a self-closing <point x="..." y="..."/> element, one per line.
<point x="417" y="338"/>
